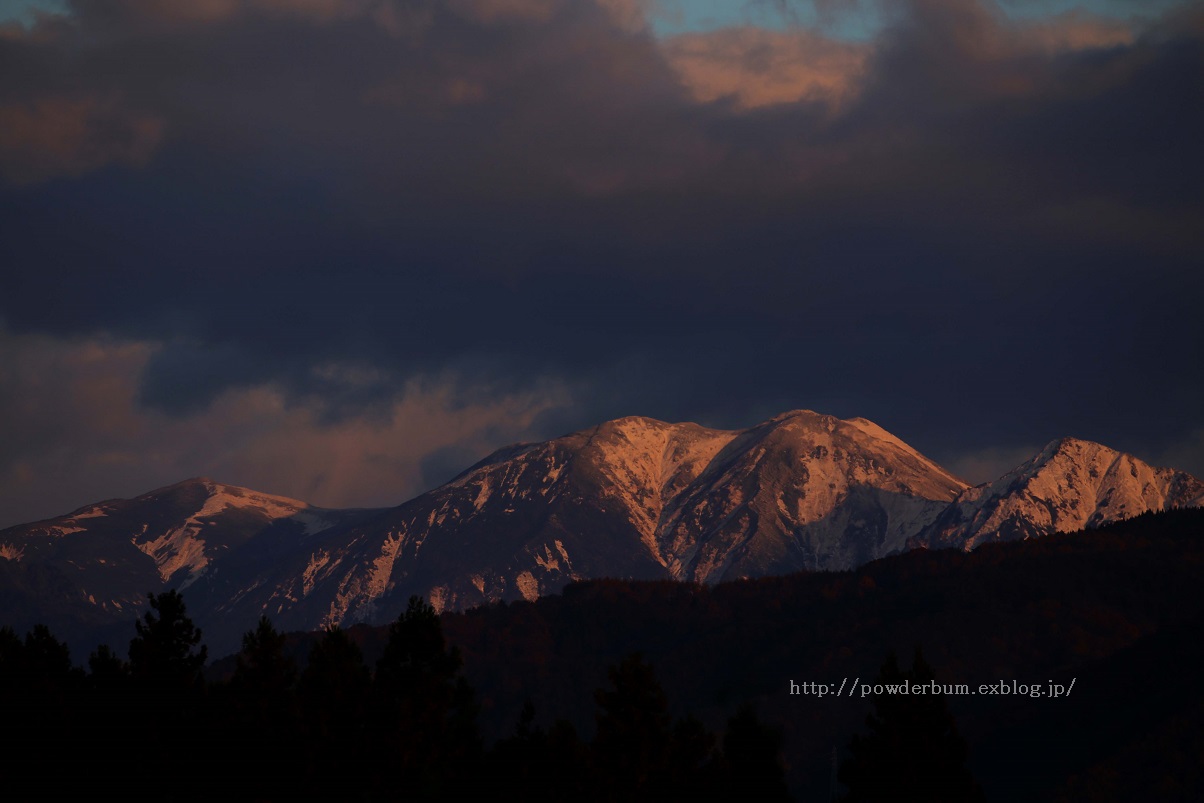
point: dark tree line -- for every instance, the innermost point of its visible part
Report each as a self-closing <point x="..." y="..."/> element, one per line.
<point x="151" y="727"/>
<point x="1110" y="604"/>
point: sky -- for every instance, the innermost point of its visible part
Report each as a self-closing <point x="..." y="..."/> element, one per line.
<point x="339" y="250"/>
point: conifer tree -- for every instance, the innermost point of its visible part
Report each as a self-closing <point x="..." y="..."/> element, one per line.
<point x="424" y="710"/>
<point x="39" y="694"/>
<point x="262" y="716"/>
<point x="166" y="658"/>
<point x="540" y="766"/>
<point x="752" y="758"/>
<point x="333" y="694"/>
<point x="47" y="660"/>
<point x="167" y="649"/>
<point x="632" y="744"/>
<point x="912" y="750"/>
<point x="263" y="672"/>
<point x="110" y="708"/>
<point x="106" y="670"/>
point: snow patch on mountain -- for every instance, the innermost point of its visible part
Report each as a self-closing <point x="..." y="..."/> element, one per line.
<point x="382" y="567"/>
<point x="91" y="512"/>
<point x="527" y="585"/>
<point x="484" y="490"/>
<point x="437" y="597"/>
<point x="309" y="578"/>
<point x="176" y="549"/>
<point x="550" y="562"/>
<point x="183" y="547"/>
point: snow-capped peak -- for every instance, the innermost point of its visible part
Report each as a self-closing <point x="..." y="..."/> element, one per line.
<point x="1071" y="484"/>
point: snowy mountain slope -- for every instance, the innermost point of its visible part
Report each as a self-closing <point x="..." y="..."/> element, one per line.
<point x="631" y="498"/>
<point x="1070" y="485"/>
<point x="803" y="491"/>
<point x="115" y="552"/>
<point x="521" y="523"/>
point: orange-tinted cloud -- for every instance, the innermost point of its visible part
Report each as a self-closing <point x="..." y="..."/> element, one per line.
<point x="71" y="412"/>
<point x="168" y="14"/>
<point x="1077" y="31"/>
<point x="754" y="67"/>
<point x="57" y="136"/>
<point x="491" y="11"/>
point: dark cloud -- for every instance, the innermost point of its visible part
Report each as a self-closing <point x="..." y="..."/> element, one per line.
<point x="977" y="233"/>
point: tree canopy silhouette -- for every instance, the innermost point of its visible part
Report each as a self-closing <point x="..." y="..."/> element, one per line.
<point x="333" y="695"/>
<point x="752" y="753"/>
<point x="263" y="672"/>
<point x="913" y="750"/>
<point x="167" y="648"/>
<point x="424" y="711"/>
<point x="632" y="742"/>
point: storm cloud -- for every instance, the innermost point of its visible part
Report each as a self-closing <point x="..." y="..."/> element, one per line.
<point x="981" y="233"/>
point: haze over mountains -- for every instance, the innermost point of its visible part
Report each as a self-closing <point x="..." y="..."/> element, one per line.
<point x="632" y="498"/>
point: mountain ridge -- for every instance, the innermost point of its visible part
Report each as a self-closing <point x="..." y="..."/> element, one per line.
<point x="1071" y="484"/>
<point x="633" y="498"/>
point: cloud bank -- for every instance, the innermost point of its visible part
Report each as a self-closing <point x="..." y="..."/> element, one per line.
<point x="979" y="232"/>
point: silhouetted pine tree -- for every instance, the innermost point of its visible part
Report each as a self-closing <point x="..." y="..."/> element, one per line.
<point x="262" y="665"/>
<point x="693" y="765"/>
<point x="752" y="758"/>
<point x="166" y="658"/>
<point x="106" y="670"/>
<point x="333" y="696"/>
<point x="167" y="651"/>
<point x="538" y="766"/>
<point x="632" y="745"/>
<point x="913" y="750"/>
<point x="109" y="717"/>
<point x="261" y="722"/>
<point x="40" y="692"/>
<point x="423" y="711"/>
<point x="12" y="702"/>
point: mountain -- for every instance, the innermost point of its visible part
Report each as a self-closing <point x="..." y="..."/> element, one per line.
<point x="1070" y="485"/>
<point x="633" y="498"/>
<point x="90" y="571"/>
<point x="801" y="491"/>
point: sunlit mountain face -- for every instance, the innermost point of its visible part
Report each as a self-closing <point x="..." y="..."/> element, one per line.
<point x="632" y="498"/>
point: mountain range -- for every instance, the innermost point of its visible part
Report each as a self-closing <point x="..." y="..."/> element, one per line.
<point x="633" y="498"/>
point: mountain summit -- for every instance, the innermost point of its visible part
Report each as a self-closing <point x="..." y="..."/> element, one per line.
<point x="631" y="498"/>
<point x="1070" y="485"/>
